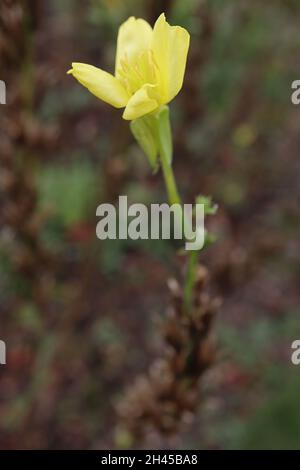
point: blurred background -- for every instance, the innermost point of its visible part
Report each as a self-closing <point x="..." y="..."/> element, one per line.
<point x="79" y="315"/>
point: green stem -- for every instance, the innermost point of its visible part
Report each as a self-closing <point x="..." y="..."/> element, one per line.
<point x="173" y="195"/>
<point x="174" y="198"/>
<point x="190" y="279"/>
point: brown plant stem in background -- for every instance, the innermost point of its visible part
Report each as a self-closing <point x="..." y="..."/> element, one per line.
<point x="20" y="135"/>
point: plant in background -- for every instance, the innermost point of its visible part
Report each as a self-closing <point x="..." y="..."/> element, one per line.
<point x="149" y="72"/>
<point x="21" y="133"/>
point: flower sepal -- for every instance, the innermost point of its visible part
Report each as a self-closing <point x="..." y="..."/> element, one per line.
<point x="153" y="134"/>
<point x="145" y="133"/>
<point x="164" y="133"/>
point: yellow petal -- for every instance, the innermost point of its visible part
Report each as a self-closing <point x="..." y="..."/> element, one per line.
<point x="102" y="84"/>
<point x="170" y="45"/>
<point x="141" y="103"/>
<point x="134" y="37"/>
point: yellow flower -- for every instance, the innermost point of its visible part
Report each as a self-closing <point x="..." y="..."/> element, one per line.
<point x="149" y="70"/>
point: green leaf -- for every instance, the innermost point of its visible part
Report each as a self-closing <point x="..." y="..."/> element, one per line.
<point x="165" y="133"/>
<point x="144" y="131"/>
<point x="209" y="207"/>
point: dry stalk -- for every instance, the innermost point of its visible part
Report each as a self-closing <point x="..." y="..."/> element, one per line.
<point x="162" y="399"/>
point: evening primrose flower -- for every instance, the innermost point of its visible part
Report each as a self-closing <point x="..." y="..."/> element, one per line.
<point x="149" y="68"/>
